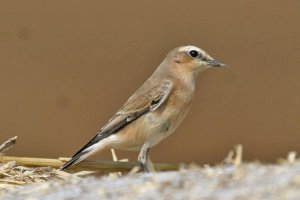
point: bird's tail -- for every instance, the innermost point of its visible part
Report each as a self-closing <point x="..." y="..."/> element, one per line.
<point x="75" y="159"/>
<point x="91" y="147"/>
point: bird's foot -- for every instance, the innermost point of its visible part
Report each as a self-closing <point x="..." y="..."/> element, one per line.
<point x="144" y="167"/>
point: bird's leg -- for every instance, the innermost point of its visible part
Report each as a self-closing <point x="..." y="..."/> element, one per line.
<point x="143" y="156"/>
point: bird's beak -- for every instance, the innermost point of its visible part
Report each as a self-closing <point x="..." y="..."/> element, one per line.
<point x="215" y="63"/>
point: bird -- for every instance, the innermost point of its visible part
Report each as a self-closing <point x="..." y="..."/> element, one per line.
<point x="155" y="110"/>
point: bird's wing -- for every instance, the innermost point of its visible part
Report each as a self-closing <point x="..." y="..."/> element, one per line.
<point x="146" y="99"/>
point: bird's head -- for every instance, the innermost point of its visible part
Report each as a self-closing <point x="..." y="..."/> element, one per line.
<point x="193" y="59"/>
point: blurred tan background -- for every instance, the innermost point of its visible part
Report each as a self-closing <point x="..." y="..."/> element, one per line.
<point x="67" y="66"/>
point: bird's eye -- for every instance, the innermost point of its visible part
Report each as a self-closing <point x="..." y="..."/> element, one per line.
<point x="194" y="53"/>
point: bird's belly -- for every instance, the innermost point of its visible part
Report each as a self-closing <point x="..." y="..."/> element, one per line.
<point x="149" y="128"/>
<point x="158" y="128"/>
<point x="152" y="128"/>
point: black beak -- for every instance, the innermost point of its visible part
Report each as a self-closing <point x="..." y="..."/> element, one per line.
<point x="215" y="63"/>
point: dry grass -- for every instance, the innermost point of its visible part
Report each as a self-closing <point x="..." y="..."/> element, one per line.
<point x="20" y="171"/>
<point x="13" y="174"/>
<point x="232" y="179"/>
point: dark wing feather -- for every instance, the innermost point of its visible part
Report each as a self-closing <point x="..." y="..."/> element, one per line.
<point x="142" y="102"/>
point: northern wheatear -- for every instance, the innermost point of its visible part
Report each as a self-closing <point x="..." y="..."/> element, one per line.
<point x="155" y="110"/>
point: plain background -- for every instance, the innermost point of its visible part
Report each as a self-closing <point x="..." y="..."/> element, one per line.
<point x="67" y="66"/>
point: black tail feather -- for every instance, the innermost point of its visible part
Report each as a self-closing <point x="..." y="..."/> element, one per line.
<point x="73" y="160"/>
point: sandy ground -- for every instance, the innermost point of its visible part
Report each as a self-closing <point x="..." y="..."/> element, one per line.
<point x="227" y="181"/>
<point x="233" y="179"/>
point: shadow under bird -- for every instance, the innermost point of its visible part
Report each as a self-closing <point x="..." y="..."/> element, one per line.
<point x="155" y="110"/>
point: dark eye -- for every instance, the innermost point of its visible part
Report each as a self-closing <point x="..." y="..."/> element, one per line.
<point x="194" y="53"/>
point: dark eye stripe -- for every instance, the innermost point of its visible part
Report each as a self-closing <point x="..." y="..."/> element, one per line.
<point x="204" y="59"/>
